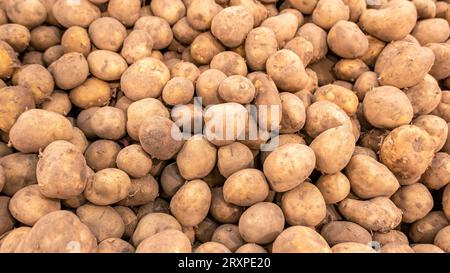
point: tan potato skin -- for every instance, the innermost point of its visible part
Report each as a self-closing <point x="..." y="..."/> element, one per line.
<point x="283" y="67"/>
<point x="107" y="186"/>
<point x="293" y="113"/>
<point x="152" y="224"/>
<point x="129" y="155"/>
<point x="19" y="171"/>
<point x="260" y="43"/>
<point x="205" y="47"/>
<point x="107" y="33"/>
<point x="212" y="247"/>
<point x="11" y="241"/>
<point x="341" y="96"/>
<point x="436" y="127"/>
<point x="392" y="236"/>
<point x="114" y="245"/>
<point x="324" y="115"/>
<point x="414" y="200"/>
<point x="337" y="232"/>
<point x="322" y="17"/>
<point x="347" y="40"/>
<point x="126" y="11"/>
<point x="129" y="218"/>
<point x="396" y="248"/>
<point x="233" y="157"/>
<point x="352" y="247"/>
<point x="9" y="60"/>
<point x="103" y="221"/>
<point x="7" y="221"/>
<point x="426" y="248"/>
<point x="283" y="25"/>
<point x="106" y="65"/>
<point x="102" y="154"/>
<point x="334" y="187"/>
<point x="197" y="158"/>
<point x="250" y="248"/>
<point x="70" y="70"/>
<point x="221" y="210"/>
<point x="442" y="239"/>
<point x="246" y="187"/>
<point x="424" y="96"/>
<point x="143" y="191"/>
<point x="438" y="25"/>
<point x="228" y="235"/>
<point x="424" y="230"/>
<point x="17" y="36"/>
<point x="14" y="100"/>
<point x="76" y="39"/>
<point x="168" y="241"/>
<point x="300" y="239"/>
<point x="440" y="69"/>
<point x="237" y="18"/>
<point x="69" y="15"/>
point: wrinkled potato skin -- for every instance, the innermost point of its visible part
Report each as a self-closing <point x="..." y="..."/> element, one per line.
<point x="143" y="191"/>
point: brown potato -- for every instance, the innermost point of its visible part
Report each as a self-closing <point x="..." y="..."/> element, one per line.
<point x="178" y="91"/>
<point x="29" y="13"/>
<point x="283" y="67"/>
<point x="437" y="25"/>
<point x="304" y="205"/>
<point x="237" y="88"/>
<point x="68" y="14"/>
<point x="127" y="158"/>
<point x="14" y="100"/>
<point x="11" y="241"/>
<point x="437" y="175"/>
<point x="250" y="248"/>
<point x="229" y="63"/>
<point x="350" y="69"/>
<point x="17" y="36"/>
<point x="152" y="224"/>
<point x="294" y="115"/>
<point x="221" y="210"/>
<point x="256" y="8"/>
<point x="229" y="236"/>
<point x="186" y="70"/>
<point x="426" y="248"/>
<point x="424" y="96"/>
<point x="137" y="45"/>
<point x="106" y="65"/>
<point x="347" y="40"/>
<point x="200" y="13"/>
<point x="317" y="37"/>
<point x="7" y="221"/>
<point x="284" y="25"/>
<point x="143" y="191"/>
<point x="435" y="127"/>
<point x="205" y="230"/>
<point x="237" y="18"/>
<point x="35" y="78"/>
<point x="83" y="121"/>
<point x="129" y="219"/>
<point x="333" y="187"/>
<point x="103" y="221"/>
<point x="114" y="245"/>
<point x="366" y="82"/>
<point x="19" y="171"/>
<point x="76" y="39"/>
<point x="158" y="28"/>
<point x="69" y="71"/>
<point x="171" y="179"/>
<point x="324" y="115"/>
<point x="442" y="110"/>
<point x="260" y="43"/>
<point x="102" y="154"/>
<point x="440" y="69"/>
<point x="392" y="236"/>
<point x="205" y="47"/>
<point x="207" y="86"/>
<point x="337" y="232"/>
<point x="107" y="187"/>
<point x="212" y="247"/>
<point x="141" y="110"/>
<point x="126" y="11"/>
<point x="302" y="47"/>
<point x="341" y="96"/>
<point x="197" y="158"/>
<point x="2" y="178"/>
<point x="9" y="61"/>
<point x="233" y="158"/>
<point x="168" y="241"/>
<point x="442" y="239"/>
<point x="93" y="92"/>
<point x="352" y="247"/>
<point x="170" y="11"/>
<point x="414" y="200"/>
<point x="237" y="191"/>
<point x="300" y="239"/>
<point x="107" y="33"/>
<point x="425" y="8"/>
<point x="396" y="248"/>
<point x="58" y="102"/>
<point x="424" y="230"/>
<point x="43" y="37"/>
<point x="184" y="32"/>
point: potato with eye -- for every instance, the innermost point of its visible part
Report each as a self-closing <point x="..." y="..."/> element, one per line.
<point x="333" y="187"/>
<point x="69" y="71"/>
<point x="197" y="158"/>
<point x="366" y="82"/>
<point x="128" y="156"/>
<point x="200" y="13"/>
<point x="347" y="40"/>
<point x="152" y="224"/>
<point x="423" y="27"/>
<point x="300" y="239"/>
<point x="9" y="61"/>
<point x="17" y="36"/>
<point x="35" y="78"/>
<point x="408" y="196"/>
<point x="257" y="9"/>
<point x="245" y="187"/>
<point x="126" y="11"/>
<point x="158" y="28"/>
<point x="101" y="154"/>
<point x="283" y="67"/>
<point x="341" y="96"/>
<point x="106" y="65"/>
<point x="107" y="33"/>
<point x="350" y="69"/>
<point x="184" y="32"/>
<point x="425" y="230"/>
<point x="233" y="158"/>
<point x="93" y="92"/>
<point x="76" y="39"/>
<point x="178" y="91"/>
<point x="304" y="205"/>
<point x="221" y="210"/>
<point x="107" y="187"/>
<point x="204" y="48"/>
<point x="103" y="221"/>
<point x="43" y="37"/>
<point x="14" y="100"/>
<point x="237" y="88"/>
<point x="186" y="70"/>
<point x="143" y="191"/>
<point x="283" y="25"/>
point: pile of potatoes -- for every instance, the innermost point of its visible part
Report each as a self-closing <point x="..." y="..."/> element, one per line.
<point x="95" y="154"/>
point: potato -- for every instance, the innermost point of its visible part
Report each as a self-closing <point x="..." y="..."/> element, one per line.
<point x="2" y="178"/>
<point x="93" y="92"/>
<point x="12" y="240"/>
<point x="58" y="102"/>
<point x="435" y="127"/>
<point x="141" y="110"/>
<point x="440" y="68"/>
<point x="347" y="40"/>
<point x="7" y="221"/>
<point x="283" y="67"/>
<point x="69" y="71"/>
<point x="414" y="200"/>
<point x="256" y="8"/>
<point x="280" y="140"/>
<point x="407" y="151"/>
<point x="352" y="247"/>
<point x="316" y="123"/>
<point x="137" y="45"/>
<point x="188" y="210"/>
<point x="374" y="50"/>
<point x="438" y="25"/>
<point x="289" y="165"/>
<point x="205" y="47"/>
<point x="106" y="65"/>
<point x="329" y="157"/>
<point x="77" y="201"/>
<point x="205" y="230"/>
<point x="107" y="33"/>
<point x="322" y="17"/>
<point x="19" y="171"/>
<point x="128" y="156"/>
<point x="426" y="248"/>
<point x="400" y="14"/>
<point x="127" y="12"/>
<point x="14" y="100"/>
<point x="168" y="241"/>
<point x="441" y="9"/>
<point x="109" y="123"/>
<point x="207" y="86"/>
<point x="8" y="60"/>
<point x="35" y="78"/>
<point x="300" y="239"/>
<point x="69" y="14"/>
<point x="76" y="39"/>
<point x="442" y="109"/>
<point x="229" y="63"/>
<point x="341" y="96"/>
<point x="237" y="88"/>
<point x="424" y="96"/>
<point x="294" y="115"/>
<point x="129" y="219"/>
<point x="250" y="248"/>
<point x="29" y="13"/>
<point x="184" y="32"/>
<point x="424" y="230"/>
<point x="425" y="8"/>
<point x="59" y="231"/>
<point x="236" y="189"/>
<point x="123" y="103"/>
<point x="442" y="239"/>
<point x="221" y="210"/>
<point x="43" y="37"/>
<point x="392" y="236"/>
<point x="337" y="232"/>
<point x="178" y="91"/>
<point x="212" y="247"/>
<point x="170" y="11"/>
<point x="5" y="149"/>
<point x="302" y="47"/>
<point x="28" y="205"/>
<point x="17" y="36"/>
<point x="364" y="172"/>
<point x="376" y="214"/>
<point x="349" y="70"/>
<point x="114" y="245"/>
<point x="107" y="187"/>
<point x="283" y="25"/>
<point x="396" y="248"/>
<point x="233" y="158"/>
<point x="152" y="224"/>
<point x="158" y="28"/>
<point x="143" y="190"/>
<point x="304" y="205"/>
<point x="237" y="18"/>
<point x="144" y="79"/>
<point x="102" y="154"/>
<point x="103" y="221"/>
<point x="396" y="56"/>
<point x="185" y="70"/>
<point x="83" y="121"/>
<point x="333" y="187"/>
<point x="229" y="236"/>
<point x="438" y="173"/>
<point x="171" y="179"/>
<point x="317" y="37"/>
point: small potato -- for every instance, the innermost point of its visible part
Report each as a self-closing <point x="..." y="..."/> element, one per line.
<point x="127" y="158"/>
<point x="186" y="70"/>
<point x="205" y="230"/>
<point x="200" y="13"/>
<point x="58" y="102"/>
<point x="342" y="97"/>
<point x="229" y="63"/>
<point x="233" y="158"/>
<point x="333" y="187"/>
<point x="171" y="179"/>
<point x="43" y="37"/>
<point x="207" y="86"/>
<point x="350" y="69"/>
<point x="256" y="8"/>
<point x="237" y="88"/>
<point x="76" y="39"/>
<point x="69" y="14"/>
<point x="387" y="107"/>
<point x="7" y="221"/>
<point x="426" y="248"/>
<point x="407" y="151"/>
<point x="102" y="154"/>
<point x="123" y="103"/>
<point x="414" y="200"/>
<point x="106" y="65"/>
<point x="364" y="174"/>
<point x="294" y="115"/>
<point x="440" y="69"/>
<point x="109" y="123"/>
<point x="137" y="45"/>
<point x="160" y="137"/>
<point x="366" y="82"/>
<point x="317" y="37"/>
<point x="107" y="33"/>
<point x="337" y="232"/>
<point x="2" y="178"/>
<point x="302" y="47"/>
<point x="205" y="47"/>
<point x="19" y="171"/>
<point x="304" y="205"/>
<point x="75" y="202"/>
<point x="59" y="231"/>
<point x="178" y="91"/>
<point x="168" y="241"/>
<point x="396" y="248"/>
<point x="191" y="203"/>
<point x="14" y="100"/>
<point x="17" y="36"/>
<point x="424" y="230"/>
<point x="144" y="79"/>
<point x="261" y="223"/>
<point x="237" y="18"/>
<point x="114" y="245"/>
<point x="126" y="11"/>
<point x="197" y="158"/>
<point x="103" y="221"/>
<point x="437" y="25"/>
<point x="435" y="127"/>
<point x="129" y="218"/>
<point x="11" y="241"/>
<point x="324" y="115"/>
<point x="331" y="158"/>
<point x="392" y="236"/>
<point x="158" y="28"/>
<point x="9" y="61"/>
<point x="221" y="210"/>
<point x="425" y="8"/>
<point x="283" y="25"/>
<point x="212" y="247"/>
<point x="29" y="13"/>
<point x="152" y="224"/>
<point x="377" y="214"/>
<point x="107" y="187"/>
<point x="347" y="40"/>
<point x="352" y="247"/>
<point x="143" y="191"/>
<point x="300" y="239"/>
<point x="246" y="187"/>
<point x="288" y="166"/>
<point x="395" y="68"/>
<point x="442" y="239"/>
<point x="36" y="128"/>
<point x="28" y="205"/>
<point x="93" y="92"/>
<point x="184" y="32"/>
<point x="283" y="67"/>
<point x="83" y="121"/>
<point x="401" y="14"/>
<point x="141" y="110"/>
<point x="281" y="140"/>
<point x="443" y="110"/>
<point x="424" y="96"/>
<point x="260" y="43"/>
<point x="69" y="71"/>
<point x="229" y="236"/>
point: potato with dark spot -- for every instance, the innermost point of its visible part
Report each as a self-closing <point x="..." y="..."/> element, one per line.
<point x="287" y="70"/>
<point x="143" y="191"/>
<point x="106" y="65"/>
<point x="414" y="200"/>
<point x="17" y="36"/>
<point x="114" y="245"/>
<point x="300" y="239"/>
<point x="424" y="230"/>
<point x="102" y="154"/>
<point x="229" y="236"/>
<point x="69" y="71"/>
<point x="76" y="39"/>
<point x="246" y="187"/>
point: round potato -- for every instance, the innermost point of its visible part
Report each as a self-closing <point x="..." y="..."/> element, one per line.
<point x="126" y="11"/>
<point x="103" y="221"/>
<point x="425" y="96"/>
<point x="137" y="45"/>
<point x="102" y="154"/>
<point x="300" y="239"/>
<point x="438" y="25"/>
<point x="260" y="44"/>
<point x="114" y="245"/>
<point x="324" y="115"/>
<point x="333" y="187"/>
<point x="287" y="70"/>
<point x="207" y="86"/>
<point x="221" y="210"/>
<point x="196" y="158"/>
<point x="284" y="25"/>
<point x="237" y="88"/>
<point x="127" y="158"/>
<point x="93" y="92"/>
<point x="424" y="230"/>
<point x="233" y="157"/>
<point x="168" y="241"/>
<point x="236" y="189"/>
<point x="237" y="18"/>
<point x="414" y="200"/>
<point x="229" y="63"/>
<point x="76" y="39"/>
<point x="143" y="191"/>
<point x="107" y="187"/>
<point x="158" y="28"/>
<point x="152" y="224"/>
<point x="200" y="13"/>
<point x="106" y="65"/>
<point x="184" y="32"/>
<point x="438" y="173"/>
<point x="347" y="40"/>
<point x="19" y="171"/>
<point x="229" y="236"/>
<point x="107" y="33"/>
<point x="141" y="110"/>
<point x="80" y="13"/>
<point x="69" y="71"/>
<point x="177" y="91"/>
<point x="11" y="241"/>
<point x="14" y="100"/>
<point x="17" y="36"/>
<point x="29" y="13"/>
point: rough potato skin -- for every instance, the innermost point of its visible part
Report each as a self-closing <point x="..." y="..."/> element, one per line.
<point x="228" y="235"/>
<point x="9" y="61"/>
<point x="422" y="31"/>
<point x="107" y="187"/>
<point x="392" y="236"/>
<point x="102" y="154"/>
<point x="14" y="100"/>
<point x="114" y="245"/>
<point x="325" y="19"/>
<point x="158" y="28"/>
<point x="260" y="43"/>
<point x="302" y="47"/>
<point x="37" y="79"/>
<point x="317" y="37"/>
<point x="324" y="115"/>
<point x="233" y="157"/>
<point x="70" y="70"/>
<point x="396" y="248"/>
<point x="143" y="191"/>
<point x="17" y="36"/>
<point x="231" y="25"/>
<point x="261" y="223"/>
<point x="377" y="214"/>
<point x="424" y="230"/>
<point x="61" y="171"/>
<point x="442" y="239"/>
<point x="293" y="113"/>
<point x="424" y="96"/>
<point x="59" y="231"/>
<point x="341" y="96"/>
<point x="152" y="224"/>
<point x="436" y="127"/>
<point x="426" y="248"/>
<point x="93" y="92"/>
<point x="168" y="241"/>
<point x="138" y="44"/>
<point x="197" y="158"/>
<point x="300" y="239"/>
<point x="19" y="171"/>
<point x="245" y="187"/>
<point x="352" y="247"/>
<point x="7" y="221"/>
<point x="369" y="178"/>
<point x="414" y="200"/>
<point x="334" y="187"/>
<point x="107" y="33"/>
<point x="106" y="65"/>
<point x="131" y="154"/>
<point x="29" y="13"/>
<point x="403" y="64"/>
<point x="347" y="40"/>
<point x="109" y="123"/>
<point x="36" y="128"/>
<point x="103" y="221"/>
<point x="76" y="39"/>
<point x="191" y="203"/>
<point x="336" y="232"/>
<point x="126" y="11"/>
<point x="287" y="70"/>
<point x="288" y="166"/>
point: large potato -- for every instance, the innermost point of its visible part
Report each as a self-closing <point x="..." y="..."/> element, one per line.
<point x="109" y="123"/>
<point x="347" y="40"/>
<point x="260" y="43"/>
<point x="246" y="187"/>
<point x="424" y="96"/>
<point x="80" y="13"/>
<point x="237" y="18"/>
<point x="11" y="241"/>
<point x="287" y="70"/>
<point x="29" y="13"/>
<point x="137" y="45"/>
<point x="69" y="71"/>
<point x="424" y="28"/>
<point x="17" y="36"/>
<point x="424" y="230"/>
<point x="300" y="239"/>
